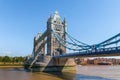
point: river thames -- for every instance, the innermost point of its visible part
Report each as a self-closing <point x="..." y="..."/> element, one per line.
<point x="109" y="72"/>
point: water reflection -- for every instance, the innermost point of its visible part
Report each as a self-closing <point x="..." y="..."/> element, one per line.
<point x="86" y="77"/>
<point x="83" y="73"/>
<point x="74" y="76"/>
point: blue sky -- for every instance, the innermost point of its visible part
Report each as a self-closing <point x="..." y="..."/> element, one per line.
<point x="90" y="21"/>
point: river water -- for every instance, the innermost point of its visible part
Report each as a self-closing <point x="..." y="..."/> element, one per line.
<point x="83" y="73"/>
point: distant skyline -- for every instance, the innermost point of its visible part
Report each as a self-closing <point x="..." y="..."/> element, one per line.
<point x="90" y="21"/>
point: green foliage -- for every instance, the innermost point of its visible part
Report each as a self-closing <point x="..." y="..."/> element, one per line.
<point x="11" y="59"/>
<point x="19" y="59"/>
<point x="1" y="58"/>
<point x="6" y="59"/>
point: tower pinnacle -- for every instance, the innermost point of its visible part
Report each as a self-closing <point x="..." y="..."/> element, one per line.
<point x="56" y="12"/>
<point x="56" y="15"/>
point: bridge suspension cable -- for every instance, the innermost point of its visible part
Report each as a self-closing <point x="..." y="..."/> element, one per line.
<point x="69" y="45"/>
<point x="113" y="40"/>
<point x="73" y="40"/>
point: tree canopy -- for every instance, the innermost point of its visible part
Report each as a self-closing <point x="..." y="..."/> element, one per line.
<point x="11" y="59"/>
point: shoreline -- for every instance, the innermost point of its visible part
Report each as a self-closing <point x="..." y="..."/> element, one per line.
<point x="98" y="65"/>
<point x="11" y="66"/>
<point x="22" y="66"/>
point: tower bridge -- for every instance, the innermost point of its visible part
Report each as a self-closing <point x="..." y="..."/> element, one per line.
<point x="54" y="42"/>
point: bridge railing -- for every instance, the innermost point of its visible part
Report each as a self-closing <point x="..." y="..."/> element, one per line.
<point x="110" y="50"/>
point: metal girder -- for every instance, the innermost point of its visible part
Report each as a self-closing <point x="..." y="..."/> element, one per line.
<point x="94" y="53"/>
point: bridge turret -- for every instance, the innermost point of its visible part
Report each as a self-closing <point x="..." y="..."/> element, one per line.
<point x="55" y="23"/>
<point x="55" y="38"/>
<point x="49" y="19"/>
<point x="37" y="46"/>
<point x="64" y="22"/>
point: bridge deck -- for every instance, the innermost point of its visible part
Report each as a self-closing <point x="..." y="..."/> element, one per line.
<point x="114" y="51"/>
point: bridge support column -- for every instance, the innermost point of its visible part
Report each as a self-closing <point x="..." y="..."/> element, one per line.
<point x="52" y="64"/>
<point x="65" y="64"/>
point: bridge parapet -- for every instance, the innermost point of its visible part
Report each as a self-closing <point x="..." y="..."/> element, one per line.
<point x="112" y="51"/>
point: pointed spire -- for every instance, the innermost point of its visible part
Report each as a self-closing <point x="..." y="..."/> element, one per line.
<point x="50" y="18"/>
<point x="56" y="12"/>
<point x="64" y="20"/>
<point x="56" y="15"/>
<point x="51" y="15"/>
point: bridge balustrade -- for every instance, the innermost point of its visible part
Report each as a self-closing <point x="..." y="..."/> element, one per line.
<point x="118" y="47"/>
<point x="110" y="50"/>
<point x="93" y="50"/>
<point x="114" y="48"/>
<point x="106" y="49"/>
<point x="101" y="50"/>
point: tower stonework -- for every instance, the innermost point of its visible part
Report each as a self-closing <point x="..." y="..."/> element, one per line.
<point x="38" y="47"/>
<point x="53" y="46"/>
<point x="48" y="42"/>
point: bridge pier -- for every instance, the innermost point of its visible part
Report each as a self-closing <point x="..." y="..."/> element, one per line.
<point x="50" y="41"/>
<point x="50" y="64"/>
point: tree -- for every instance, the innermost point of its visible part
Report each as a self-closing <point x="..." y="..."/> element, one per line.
<point x="19" y="59"/>
<point x="13" y="60"/>
<point x="6" y="59"/>
<point x="1" y="58"/>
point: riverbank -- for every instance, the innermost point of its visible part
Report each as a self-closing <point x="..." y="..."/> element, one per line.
<point x="11" y="65"/>
<point x="81" y="73"/>
<point x="98" y="65"/>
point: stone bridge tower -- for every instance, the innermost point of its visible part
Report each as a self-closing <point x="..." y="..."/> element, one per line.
<point x="55" y="23"/>
<point x="38" y="48"/>
<point x="45" y="62"/>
